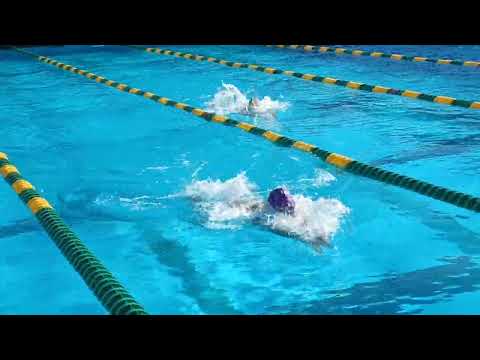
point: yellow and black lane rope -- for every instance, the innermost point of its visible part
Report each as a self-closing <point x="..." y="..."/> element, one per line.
<point x="113" y="296"/>
<point x="439" y="99"/>
<point x="343" y="162"/>
<point x="337" y="50"/>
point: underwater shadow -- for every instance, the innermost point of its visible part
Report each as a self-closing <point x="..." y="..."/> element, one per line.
<point x="175" y="256"/>
<point x="435" y="149"/>
<point x="389" y="296"/>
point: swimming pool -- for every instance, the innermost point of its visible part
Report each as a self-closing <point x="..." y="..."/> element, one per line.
<point x="117" y="169"/>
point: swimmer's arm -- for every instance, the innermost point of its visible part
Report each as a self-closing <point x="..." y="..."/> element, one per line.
<point x="257" y="206"/>
<point x="318" y="244"/>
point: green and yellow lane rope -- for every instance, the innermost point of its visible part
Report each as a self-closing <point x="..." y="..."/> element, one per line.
<point x="113" y="296"/>
<point x="378" y="54"/>
<point x="439" y="99"/>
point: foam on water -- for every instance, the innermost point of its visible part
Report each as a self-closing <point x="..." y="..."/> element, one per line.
<point x="113" y="202"/>
<point x="230" y="100"/>
<point x="323" y="178"/>
<point x="314" y="220"/>
<point x="228" y="204"/>
<point x="140" y="203"/>
<point x="224" y="203"/>
<point x="158" y="168"/>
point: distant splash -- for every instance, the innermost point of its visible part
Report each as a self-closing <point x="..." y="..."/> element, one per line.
<point x="323" y="178"/>
<point x="228" y="204"/>
<point x="230" y="100"/>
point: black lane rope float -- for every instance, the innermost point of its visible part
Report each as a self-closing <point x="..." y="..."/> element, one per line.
<point x="446" y="100"/>
<point x="377" y="54"/>
<point x="113" y="296"/>
<point x="343" y="162"/>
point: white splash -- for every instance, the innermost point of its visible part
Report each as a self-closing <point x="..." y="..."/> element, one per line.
<point x="136" y="203"/>
<point x="229" y="99"/>
<point x="314" y="220"/>
<point x="197" y="170"/>
<point x="230" y="203"/>
<point x="140" y="203"/>
<point x="103" y="199"/>
<point x="158" y="168"/>
<point x="323" y="178"/>
<point x="224" y="202"/>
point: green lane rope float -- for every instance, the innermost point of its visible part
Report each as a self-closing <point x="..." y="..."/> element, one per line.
<point x="446" y="100"/>
<point x="343" y="162"/>
<point x="113" y="296"/>
<point x="377" y="54"/>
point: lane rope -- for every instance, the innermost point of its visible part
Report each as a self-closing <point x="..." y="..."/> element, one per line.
<point x="112" y="295"/>
<point x="439" y="99"/>
<point x="378" y="54"/>
<point x="341" y="161"/>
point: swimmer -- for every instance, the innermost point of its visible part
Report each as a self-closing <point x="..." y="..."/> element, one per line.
<point x="230" y="203"/>
<point x="253" y="104"/>
<point x="253" y="108"/>
<point x="279" y="201"/>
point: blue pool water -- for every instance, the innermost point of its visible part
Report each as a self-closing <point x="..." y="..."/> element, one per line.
<point x="117" y="168"/>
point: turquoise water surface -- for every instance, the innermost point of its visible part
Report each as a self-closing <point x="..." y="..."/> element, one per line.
<point x="121" y="171"/>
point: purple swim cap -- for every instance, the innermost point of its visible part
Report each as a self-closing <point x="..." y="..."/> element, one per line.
<point x="280" y="200"/>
